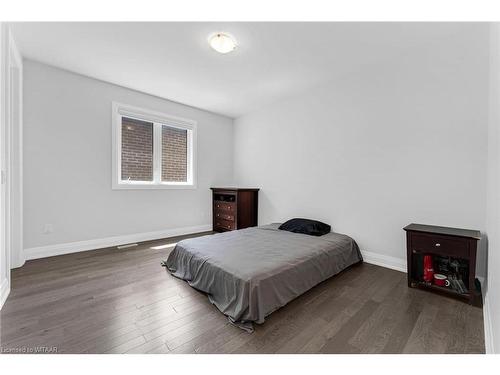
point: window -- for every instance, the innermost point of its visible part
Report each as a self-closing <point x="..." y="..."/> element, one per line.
<point x="152" y="150"/>
<point x="137" y="150"/>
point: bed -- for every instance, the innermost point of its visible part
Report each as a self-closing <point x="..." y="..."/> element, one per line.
<point x="249" y="273"/>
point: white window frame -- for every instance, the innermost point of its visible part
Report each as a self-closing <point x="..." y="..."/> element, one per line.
<point x="158" y="119"/>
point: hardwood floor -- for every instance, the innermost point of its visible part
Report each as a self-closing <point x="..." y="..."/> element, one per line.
<point x="123" y="301"/>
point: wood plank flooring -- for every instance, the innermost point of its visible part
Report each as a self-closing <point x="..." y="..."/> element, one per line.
<point x="123" y="301"/>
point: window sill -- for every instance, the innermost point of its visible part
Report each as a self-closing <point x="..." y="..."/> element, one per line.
<point x="118" y="186"/>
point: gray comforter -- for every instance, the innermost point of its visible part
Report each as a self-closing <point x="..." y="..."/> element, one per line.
<point x="252" y="272"/>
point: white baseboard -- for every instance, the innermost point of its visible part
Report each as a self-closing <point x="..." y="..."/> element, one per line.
<point x="74" y="247"/>
<point x="386" y="261"/>
<point x="488" y="329"/>
<point x="394" y="263"/>
<point x="4" y="291"/>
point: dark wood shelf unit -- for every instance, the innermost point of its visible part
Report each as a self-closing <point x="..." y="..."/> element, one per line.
<point x="234" y="208"/>
<point x="452" y="243"/>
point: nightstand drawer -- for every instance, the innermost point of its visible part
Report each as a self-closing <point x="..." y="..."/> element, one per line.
<point x="224" y="224"/>
<point x="436" y="244"/>
<point x="224" y="207"/>
<point x="224" y="215"/>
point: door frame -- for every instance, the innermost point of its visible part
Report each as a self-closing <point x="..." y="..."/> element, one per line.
<point x="11" y="206"/>
<point x="15" y="88"/>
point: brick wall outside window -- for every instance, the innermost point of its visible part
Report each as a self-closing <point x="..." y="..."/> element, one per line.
<point x="137" y="150"/>
<point x="174" y="154"/>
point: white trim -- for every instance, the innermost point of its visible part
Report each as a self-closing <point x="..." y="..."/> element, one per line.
<point x="158" y="119"/>
<point x="11" y="151"/>
<point x="4" y="291"/>
<point x="157" y="151"/>
<point x="386" y="261"/>
<point x="74" y="247"/>
<point x="488" y="328"/>
<point x="4" y="160"/>
<point x="16" y="158"/>
<point x="136" y="185"/>
<point x="14" y="51"/>
<point x="154" y="116"/>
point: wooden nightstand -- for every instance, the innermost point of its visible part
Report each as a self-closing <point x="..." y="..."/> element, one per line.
<point x="454" y="254"/>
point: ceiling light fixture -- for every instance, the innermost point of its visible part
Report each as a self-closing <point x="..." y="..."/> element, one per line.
<point x="222" y="42"/>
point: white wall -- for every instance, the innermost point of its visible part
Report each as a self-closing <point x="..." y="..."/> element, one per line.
<point x="67" y="163"/>
<point x="397" y="143"/>
<point x="492" y="299"/>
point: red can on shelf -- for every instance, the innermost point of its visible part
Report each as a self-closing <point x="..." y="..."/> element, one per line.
<point x="428" y="269"/>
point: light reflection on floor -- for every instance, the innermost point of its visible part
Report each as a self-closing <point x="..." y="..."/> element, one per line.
<point x="163" y="246"/>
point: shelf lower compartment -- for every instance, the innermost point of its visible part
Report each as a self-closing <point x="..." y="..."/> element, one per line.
<point x="441" y="289"/>
<point x="472" y="298"/>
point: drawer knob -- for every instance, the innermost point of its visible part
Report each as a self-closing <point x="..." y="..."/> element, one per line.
<point x="438" y="244"/>
<point x="218" y="215"/>
<point x="218" y="206"/>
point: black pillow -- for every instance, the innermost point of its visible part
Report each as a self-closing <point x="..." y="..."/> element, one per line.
<point x="306" y="226"/>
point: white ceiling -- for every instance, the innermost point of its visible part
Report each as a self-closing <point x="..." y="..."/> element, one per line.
<point x="173" y="60"/>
